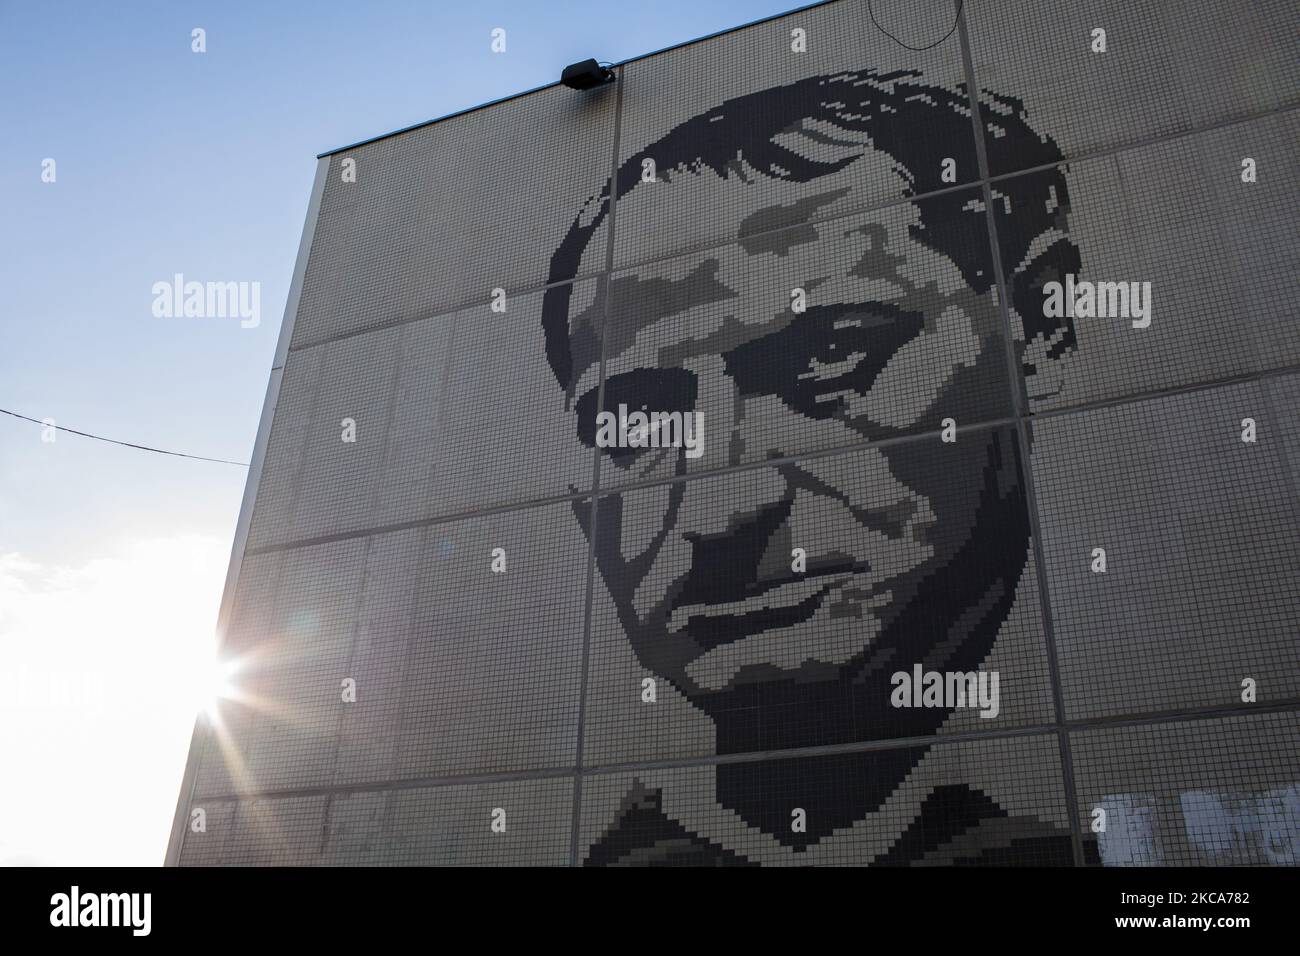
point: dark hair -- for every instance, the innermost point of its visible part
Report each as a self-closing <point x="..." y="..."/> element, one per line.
<point x="912" y="122"/>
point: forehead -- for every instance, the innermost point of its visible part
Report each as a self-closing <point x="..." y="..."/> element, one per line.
<point x="694" y="201"/>
<point x="708" y="302"/>
<point x="760" y="223"/>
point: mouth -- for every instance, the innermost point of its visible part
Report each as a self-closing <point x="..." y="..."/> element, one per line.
<point x="805" y="624"/>
<point x="733" y="591"/>
<point x="771" y="604"/>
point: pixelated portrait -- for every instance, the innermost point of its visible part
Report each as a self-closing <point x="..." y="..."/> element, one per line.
<point x="856" y="435"/>
<point x="837" y="454"/>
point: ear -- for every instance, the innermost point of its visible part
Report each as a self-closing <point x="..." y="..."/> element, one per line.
<point x="1044" y="331"/>
<point x="1032" y="217"/>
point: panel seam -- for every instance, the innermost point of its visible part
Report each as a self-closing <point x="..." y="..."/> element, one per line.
<point x="606" y="285"/>
<point x="1019" y="400"/>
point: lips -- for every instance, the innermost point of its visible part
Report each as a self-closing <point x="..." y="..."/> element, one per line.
<point x="813" y="636"/>
<point x="790" y="600"/>
<point x="711" y="629"/>
<point x="726" y="581"/>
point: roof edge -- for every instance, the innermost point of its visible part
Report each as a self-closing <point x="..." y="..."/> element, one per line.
<point x="547" y="86"/>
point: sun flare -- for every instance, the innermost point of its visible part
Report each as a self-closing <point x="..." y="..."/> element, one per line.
<point x="219" y="684"/>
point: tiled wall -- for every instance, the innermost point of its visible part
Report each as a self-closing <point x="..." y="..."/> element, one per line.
<point x="561" y="653"/>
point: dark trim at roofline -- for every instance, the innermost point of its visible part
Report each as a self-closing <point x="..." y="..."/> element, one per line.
<point x="538" y="89"/>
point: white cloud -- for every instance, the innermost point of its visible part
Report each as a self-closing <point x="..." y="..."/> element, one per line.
<point x="102" y="671"/>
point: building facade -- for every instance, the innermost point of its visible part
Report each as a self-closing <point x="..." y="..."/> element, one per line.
<point x="962" y="525"/>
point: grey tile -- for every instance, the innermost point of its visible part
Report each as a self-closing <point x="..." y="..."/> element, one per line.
<point x="1219" y="255"/>
<point x="1221" y="792"/>
<point x="1201" y="534"/>
<point x="1169" y="67"/>
<point x="441" y="215"/>
<point x="978" y="802"/>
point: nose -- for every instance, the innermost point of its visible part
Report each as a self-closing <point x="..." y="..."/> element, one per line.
<point x="824" y="505"/>
<point x="752" y="550"/>
<point x="731" y="564"/>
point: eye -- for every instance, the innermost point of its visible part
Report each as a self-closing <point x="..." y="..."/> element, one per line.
<point x="642" y="389"/>
<point x="823" y="354"/>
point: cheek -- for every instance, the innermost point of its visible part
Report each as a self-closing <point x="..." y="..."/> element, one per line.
<point x="919" y="373"/>
<point x="951" y="479"/>
<point x="643" y="520"/>
<point x="644" y="514"/>
<point x="768" y="427"/>
<point x="708" y="507"/>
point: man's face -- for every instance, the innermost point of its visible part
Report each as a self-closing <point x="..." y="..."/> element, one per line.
<point x="701" y="570"/>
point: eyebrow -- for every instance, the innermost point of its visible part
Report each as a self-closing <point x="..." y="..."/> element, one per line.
<point x="637" y="303"/>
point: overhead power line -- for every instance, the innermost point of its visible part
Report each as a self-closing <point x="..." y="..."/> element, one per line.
<point x="919" y="49"/>
<point x="124" y="444"/>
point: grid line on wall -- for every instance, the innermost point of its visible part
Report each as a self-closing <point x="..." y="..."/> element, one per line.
<point x="1022" y="420"/>
<point x="576" y="822"/>
<point x="849" y="211"/>
<point x="1185" y="716"/>
<point x="1019" y="400"/>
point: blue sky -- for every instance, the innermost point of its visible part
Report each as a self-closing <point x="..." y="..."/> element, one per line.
<point x="168" y="161"/>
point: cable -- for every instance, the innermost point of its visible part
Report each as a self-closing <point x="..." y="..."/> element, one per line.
<point x="918" y="49"/>
<point x="127" y="444"/>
